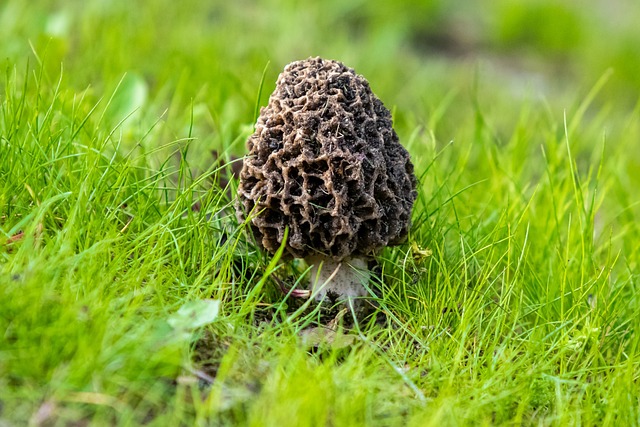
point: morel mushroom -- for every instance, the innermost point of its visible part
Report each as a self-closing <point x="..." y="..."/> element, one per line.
<point x="325" y="161"/>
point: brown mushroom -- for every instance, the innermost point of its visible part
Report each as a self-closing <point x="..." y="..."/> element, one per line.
<point x="325" y="162"/>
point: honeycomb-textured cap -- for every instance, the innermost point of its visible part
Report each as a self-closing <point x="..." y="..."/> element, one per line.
<point x="325" y="161"/>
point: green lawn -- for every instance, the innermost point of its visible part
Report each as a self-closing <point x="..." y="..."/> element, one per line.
<point x="130" y="294"/>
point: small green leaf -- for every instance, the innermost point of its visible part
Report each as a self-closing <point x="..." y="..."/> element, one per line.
<point x="195" y="314"/>
<point x="129" y="99"/>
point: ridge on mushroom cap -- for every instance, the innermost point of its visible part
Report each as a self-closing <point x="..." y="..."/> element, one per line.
<point x="325" y="161"/>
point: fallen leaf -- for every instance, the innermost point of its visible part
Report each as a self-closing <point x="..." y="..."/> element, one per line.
<point x="419" y="253"/>
<point x="325" y="337"/>
<point x="44" y="413"/>
<point x="15" y="238"/>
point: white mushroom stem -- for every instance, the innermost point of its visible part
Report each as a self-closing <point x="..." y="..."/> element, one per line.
<point x="343" y="280"/>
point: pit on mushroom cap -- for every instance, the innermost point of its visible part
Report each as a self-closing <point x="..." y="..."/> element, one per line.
<point x="325" y="161"/>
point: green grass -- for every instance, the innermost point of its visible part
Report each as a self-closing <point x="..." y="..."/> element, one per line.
<point x="514" y="301"/>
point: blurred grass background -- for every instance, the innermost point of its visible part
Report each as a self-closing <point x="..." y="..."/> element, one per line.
<point x="415" y="52"/>
<point x="432" y="61"/>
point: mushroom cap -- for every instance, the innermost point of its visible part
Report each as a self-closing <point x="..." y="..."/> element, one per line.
<point x="325" y="161"/>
